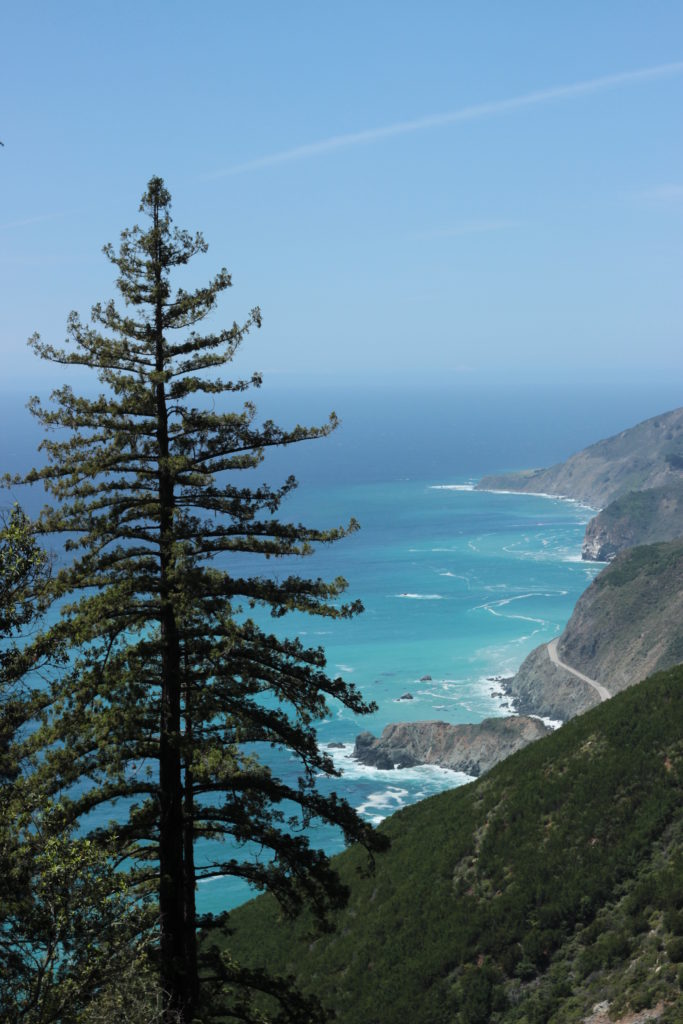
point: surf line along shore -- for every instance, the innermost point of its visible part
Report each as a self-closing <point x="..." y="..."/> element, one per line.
<point x="473" y="749"/>
<point x="467" y="748"/>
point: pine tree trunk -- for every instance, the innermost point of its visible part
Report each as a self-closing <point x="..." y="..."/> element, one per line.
<point x="192" y="972"/>
<point x="171" y="888"/>
<point x="190" y="883"/>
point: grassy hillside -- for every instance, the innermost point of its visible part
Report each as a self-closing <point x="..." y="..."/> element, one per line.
<point x="554" y="882"/>
<point x="647" y="455"/>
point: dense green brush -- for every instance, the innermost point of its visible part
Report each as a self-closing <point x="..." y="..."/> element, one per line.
<point x="553" y="882"/>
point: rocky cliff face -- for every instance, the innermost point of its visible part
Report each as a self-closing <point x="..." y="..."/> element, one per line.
<point x="629" y="622"/>
<point x="640" y="517"/>
<point x="602" y="541"/>
<point x="646" y="456"/>
<point x="625" y="626"/>
<point x="542" y="688"/>
<point x="464" y="748"/>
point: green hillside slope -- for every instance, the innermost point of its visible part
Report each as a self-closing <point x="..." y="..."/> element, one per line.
<point x="551" y="884"/>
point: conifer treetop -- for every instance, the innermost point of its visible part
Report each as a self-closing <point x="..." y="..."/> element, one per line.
<point x="171" y="693"/>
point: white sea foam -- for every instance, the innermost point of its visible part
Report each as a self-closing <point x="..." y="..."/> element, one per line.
<point x="422" y="597"/>
<point x="345" y="668"/>
<point x="388" y="800"/>
<point x="452" y="487"/>
<point x="439" y="696"/>
<point x="541" y="494"/>
<point x="458" y="576"/>
<point x="519" y="597"/>
<point x="523" y="618"/>
<point x="428" y="774"/>
<point x="552" y="723"/>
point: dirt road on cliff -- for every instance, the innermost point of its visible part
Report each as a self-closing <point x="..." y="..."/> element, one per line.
<point x="603" y="693"/>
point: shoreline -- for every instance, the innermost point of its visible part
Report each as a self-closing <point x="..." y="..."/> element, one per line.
<point x="541" y="494"/>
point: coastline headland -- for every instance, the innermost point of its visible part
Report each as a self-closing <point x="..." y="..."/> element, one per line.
<point x="472" y="749"/>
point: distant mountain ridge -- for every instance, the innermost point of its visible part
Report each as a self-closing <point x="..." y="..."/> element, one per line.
<point x="645" y="456"/>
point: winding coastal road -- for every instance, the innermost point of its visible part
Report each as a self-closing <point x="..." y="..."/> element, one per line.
<point x="603" y="693"/>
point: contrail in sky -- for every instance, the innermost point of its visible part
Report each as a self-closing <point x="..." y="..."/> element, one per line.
<point x="474" y="113"/>
<point x="39" y="219"/>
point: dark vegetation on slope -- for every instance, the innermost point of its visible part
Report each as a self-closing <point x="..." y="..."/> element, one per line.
<point x="554" y="882"/>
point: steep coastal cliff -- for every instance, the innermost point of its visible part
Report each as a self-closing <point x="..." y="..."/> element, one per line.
<point x="625" y="626"/>
<point x="542" y="688"/>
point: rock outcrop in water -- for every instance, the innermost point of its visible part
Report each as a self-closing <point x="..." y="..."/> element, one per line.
<point x="462" y="748"/>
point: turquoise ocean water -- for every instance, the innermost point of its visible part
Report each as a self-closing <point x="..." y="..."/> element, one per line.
<point x="458" y="585"/>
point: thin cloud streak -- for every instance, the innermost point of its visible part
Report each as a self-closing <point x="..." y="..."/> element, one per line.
<point x="471" y="227"/>
<point x="473" y="113"/>
<point x="670" y="193"/>
<point x="39" y="219"/>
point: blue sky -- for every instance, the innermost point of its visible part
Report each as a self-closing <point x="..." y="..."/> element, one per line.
<point x="437" y="191"/>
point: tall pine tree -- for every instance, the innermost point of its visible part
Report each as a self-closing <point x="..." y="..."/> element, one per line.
<point x="171" y="689"/>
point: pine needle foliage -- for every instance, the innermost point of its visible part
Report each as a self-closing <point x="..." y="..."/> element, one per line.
<point x="170" y="689"/>
<point x="69" y="926"/>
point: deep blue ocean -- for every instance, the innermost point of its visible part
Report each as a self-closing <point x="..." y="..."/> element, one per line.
<point x="458" y="585"/>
